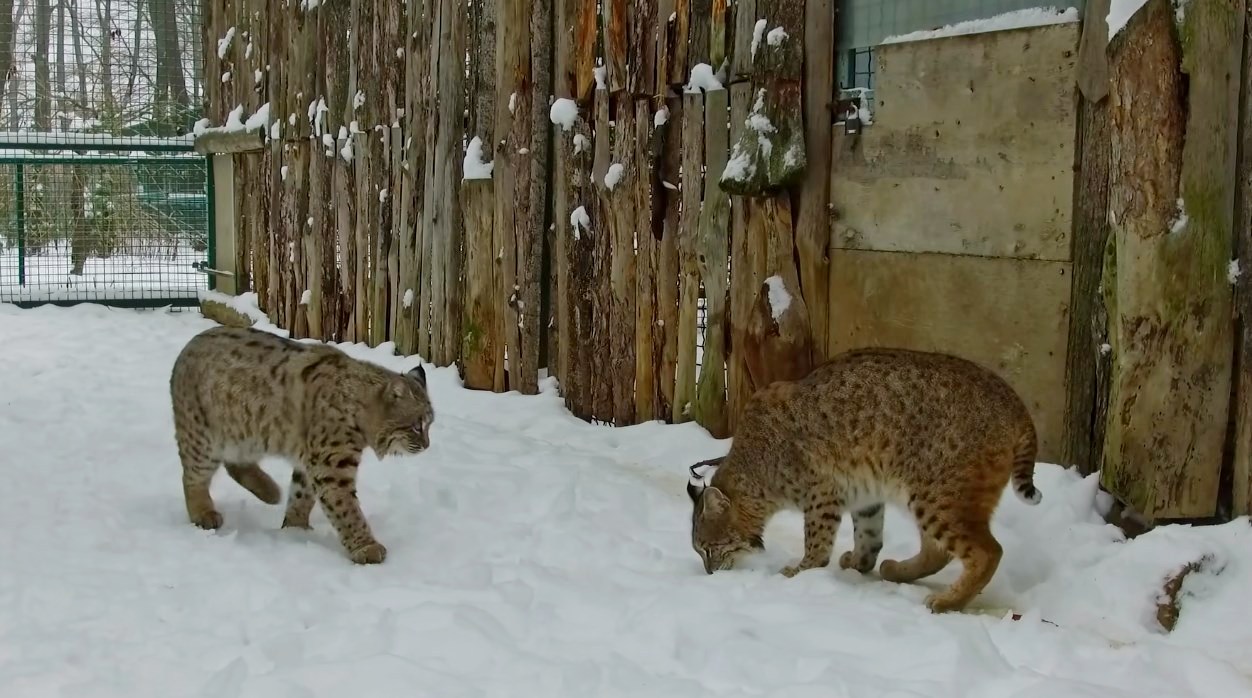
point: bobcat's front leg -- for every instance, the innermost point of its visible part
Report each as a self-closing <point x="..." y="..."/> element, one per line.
<point x="334" y="482"/>
<point x="821" y="523"/>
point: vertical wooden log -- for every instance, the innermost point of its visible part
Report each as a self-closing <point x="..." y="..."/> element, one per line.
<point x="644" y="43"/>
<point x="678" y="66"/>
<point x="698" y="31"/>
<point x="534" y="174"/>
<point x="1090" y="236"/>
<point x="689" y="270"/>
<point x="1171" y="202"/>
<point x="562" y="209"/>
<point x="746" y="268"/>
<point x="669" y="140"/>
<point x="615" y="39"/>
<point x="481" y="327"/>
<point x="622" y="210"/>
<point x="451" y="82"/>
<point x="1241" y="482"/>
<point x="712" y="247"/>
<point x="666" y="27"/>
<point x="813" y="227"/>
<point x="584" y="49"/>
<point x="578" y="337"/>
<point x="646" y="388"/>
<point x="745" y="23"/>
<point x="511" y="157"/>
<point x="604" y="224"/>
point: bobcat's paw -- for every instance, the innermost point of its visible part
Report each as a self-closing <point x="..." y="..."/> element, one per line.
<point x="209" y="520"/>
<point x="295" y="523"/>
<point x="941" y="603"/>
<point x="369" y="554"/>
<point x="791" y="570"/>
<point x="860" y="563"/>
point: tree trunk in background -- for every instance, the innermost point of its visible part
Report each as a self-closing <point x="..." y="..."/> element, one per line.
<point x="172" y="101"/>
<point x="62" y="106"/>
<point x="43" y="75"/>
<point x="80" y="64"/>
<point x="107" y="110"/>
<point x="7" y="34"/>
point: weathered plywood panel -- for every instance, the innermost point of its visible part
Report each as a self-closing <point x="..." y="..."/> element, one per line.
<point x="1006" y="314"/>
<point x="986" y="118"/>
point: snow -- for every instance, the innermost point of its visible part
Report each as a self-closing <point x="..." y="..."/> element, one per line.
<point x="383" y="194"/>
<point x="529" y="554"/>
<point x="1233" y="272"/>
<point x="1180" y="11"/>
<point x="475" y="168"/>
<point x="257" y="75"/>
<point x="579" y="220"/>
<point x="581" y="143"/>
<point x="223" y="44"/>
<point x="143" y="270"/>
<point x="201" y="126"/>
<point x="600" y="75"/>
<point x="408" y="298"/>
<point x="564" y="113"/>
<point x="703" y="79"/>
<point x="779" y="299"/>
<point x="758" y="33"/>
<point x="1120" y="12"/>
<point x="1017" y="19"/>
<point x="358" y="100"/>
<point x="226" y="77"/>
<point x="614" y="175"/>
<point x="776" y="36"/>
<point x="1180" y="221"/>
<point x="306" y="297"/>
<point x="512" y="102"/>
<point x="740" y="166"/>
<point x="260" y="119"/>
<point x="661" y="117"/>
<point x="234" y="120"/>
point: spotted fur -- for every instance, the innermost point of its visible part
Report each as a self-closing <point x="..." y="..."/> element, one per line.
<point x="242" y="394"/>
<point x="938" y="435"/>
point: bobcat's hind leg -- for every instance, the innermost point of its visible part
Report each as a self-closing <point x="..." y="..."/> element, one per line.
<point x="299" y="501"/>
<point x="256" y="481"/>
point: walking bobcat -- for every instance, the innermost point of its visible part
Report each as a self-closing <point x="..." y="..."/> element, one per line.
<point x="241" y="394"/>
<point x="936" y="434"/>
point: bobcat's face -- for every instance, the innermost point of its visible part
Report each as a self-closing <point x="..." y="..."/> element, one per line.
<point x="715" y="534"/>
<point x="404" y="427"/>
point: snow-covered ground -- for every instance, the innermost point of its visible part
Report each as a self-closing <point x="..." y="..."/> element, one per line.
<point x="161" y="272"/>
<point x="530" y="554"/>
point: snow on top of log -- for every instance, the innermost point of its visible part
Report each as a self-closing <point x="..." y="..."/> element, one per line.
<point x="1017" y="19"/>
<point x="1120" y="12"/>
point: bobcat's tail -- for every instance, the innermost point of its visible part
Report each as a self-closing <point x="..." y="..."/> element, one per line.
<point x="1024" y="467"/>
<point x="256" y="481"/>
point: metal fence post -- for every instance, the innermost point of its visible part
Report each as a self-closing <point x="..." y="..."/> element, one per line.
<point x="20" y="183"/>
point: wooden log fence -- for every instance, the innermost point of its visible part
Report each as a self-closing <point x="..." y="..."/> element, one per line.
<point x="524" y="188"/>
<point x="553" y="200"/>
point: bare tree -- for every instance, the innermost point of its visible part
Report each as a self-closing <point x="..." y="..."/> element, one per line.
<point x="43" y="75"/>
<point x="172" y="103"/>
<point x="8" y="31"/>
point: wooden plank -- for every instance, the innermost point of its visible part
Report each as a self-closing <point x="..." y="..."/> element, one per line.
<point x="1241" y="465"/>
<point x="1170" y="303"/>
<point x="393" y="46"/>
<point x="601" y="264"/>
<point x="747" y="269"/>
<point x="688" y="268"/>
<point x="425" y="141"/>
<point x="478" y="351"/>
<point x="712" y="248"/>
<point x="622" y="209"/>
<point x="667" y="151"/>
<point x="615" y="46"/>
<point x="813" y="223"/>
<point x="531" y="234"/>
<point x="219" y="141"/>
<point x="451" y="82"/>
<point x="646" y="389"/>
<point x="666" y="27"/>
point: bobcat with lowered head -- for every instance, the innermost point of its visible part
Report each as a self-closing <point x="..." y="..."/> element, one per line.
<point x="241" y="394"/>
<point x="935" y="434"/>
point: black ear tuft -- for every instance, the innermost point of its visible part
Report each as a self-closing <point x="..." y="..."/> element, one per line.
<point x="419" y="374"/>
<point x="693" y="492"/>
<point x="757" y="543"/>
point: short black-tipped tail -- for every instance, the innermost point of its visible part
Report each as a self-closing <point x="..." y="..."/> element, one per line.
<point x="1024" y="469"/>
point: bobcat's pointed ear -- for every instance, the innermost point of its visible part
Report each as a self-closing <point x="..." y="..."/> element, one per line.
<point x="694" y="492"/>
<point x="395" y="390"/>
<point x="714" y="503"/>
<point x="419" y="374"/>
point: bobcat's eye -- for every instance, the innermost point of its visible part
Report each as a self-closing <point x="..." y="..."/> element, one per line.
<point x="417" y="428"/>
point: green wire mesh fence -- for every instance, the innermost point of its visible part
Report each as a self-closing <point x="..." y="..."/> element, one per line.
<point x="103" y="228"/>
